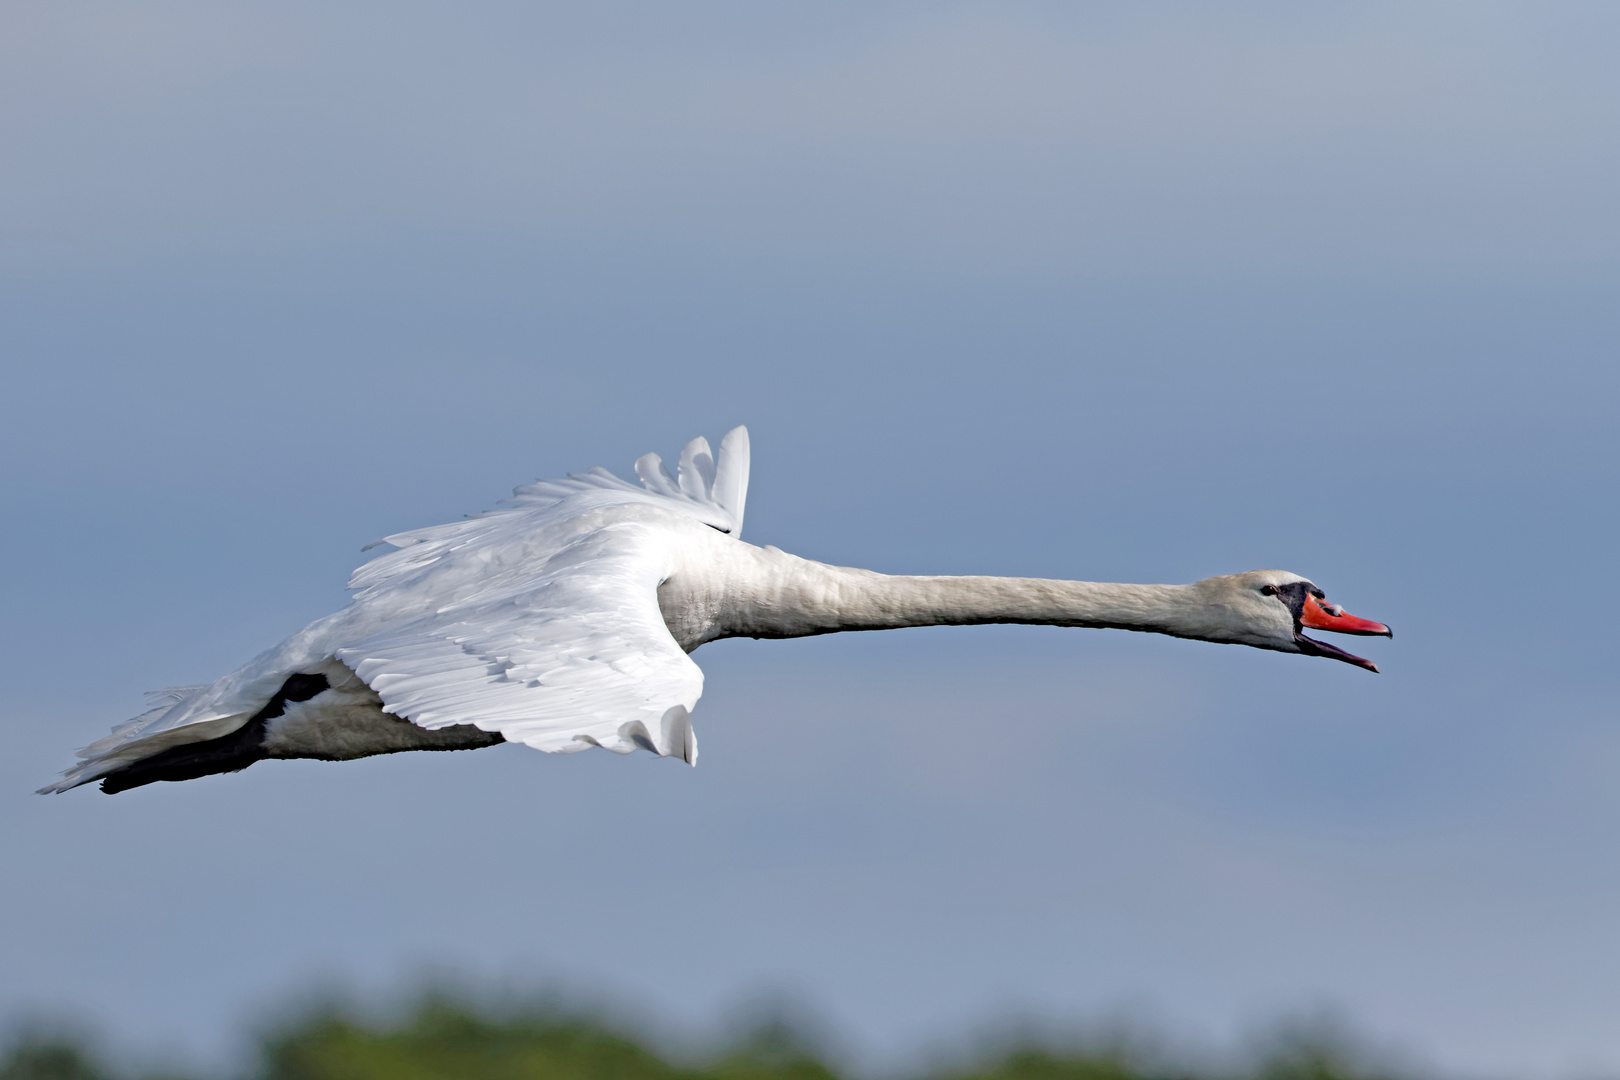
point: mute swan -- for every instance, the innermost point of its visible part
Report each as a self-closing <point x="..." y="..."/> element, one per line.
<point x="563" y="619"/>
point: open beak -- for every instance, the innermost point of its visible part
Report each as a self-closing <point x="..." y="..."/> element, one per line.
<point x="1319" y="616"/>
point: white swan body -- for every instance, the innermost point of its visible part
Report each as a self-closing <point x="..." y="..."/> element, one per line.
<point x="563" y="619"/>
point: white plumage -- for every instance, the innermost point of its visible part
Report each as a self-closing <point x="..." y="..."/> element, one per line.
<point x="563" y="620"/>
<point x="537" y="620"/>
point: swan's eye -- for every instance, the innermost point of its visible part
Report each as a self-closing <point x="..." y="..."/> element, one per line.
<point x="1268" y="590"/>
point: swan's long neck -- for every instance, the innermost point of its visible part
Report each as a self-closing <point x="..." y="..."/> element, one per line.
<point x="766" y="593"/>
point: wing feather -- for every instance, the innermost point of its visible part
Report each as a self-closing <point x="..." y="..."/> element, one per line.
<point x="571" y="650"/>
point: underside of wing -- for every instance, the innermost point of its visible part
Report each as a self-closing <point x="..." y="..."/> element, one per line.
<point x="561" y="653"/>
<point x="542" y="619"/>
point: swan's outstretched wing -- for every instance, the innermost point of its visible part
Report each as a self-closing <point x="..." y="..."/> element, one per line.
<point x="556" y="641"/>
<point x="538" y="619"/>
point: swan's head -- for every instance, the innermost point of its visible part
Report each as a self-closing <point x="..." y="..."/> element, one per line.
<point x="1272" y="609"/>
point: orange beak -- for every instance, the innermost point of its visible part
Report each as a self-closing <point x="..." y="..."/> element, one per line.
<point x="1318" y="616"/>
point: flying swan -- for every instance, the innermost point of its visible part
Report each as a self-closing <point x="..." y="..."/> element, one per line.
<point x="563" y="620"/>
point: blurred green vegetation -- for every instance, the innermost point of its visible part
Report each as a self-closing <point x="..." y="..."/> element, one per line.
<point x="448" y="1039"/>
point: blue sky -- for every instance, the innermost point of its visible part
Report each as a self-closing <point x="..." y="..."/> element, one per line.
<point x="1117" y="292"/>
